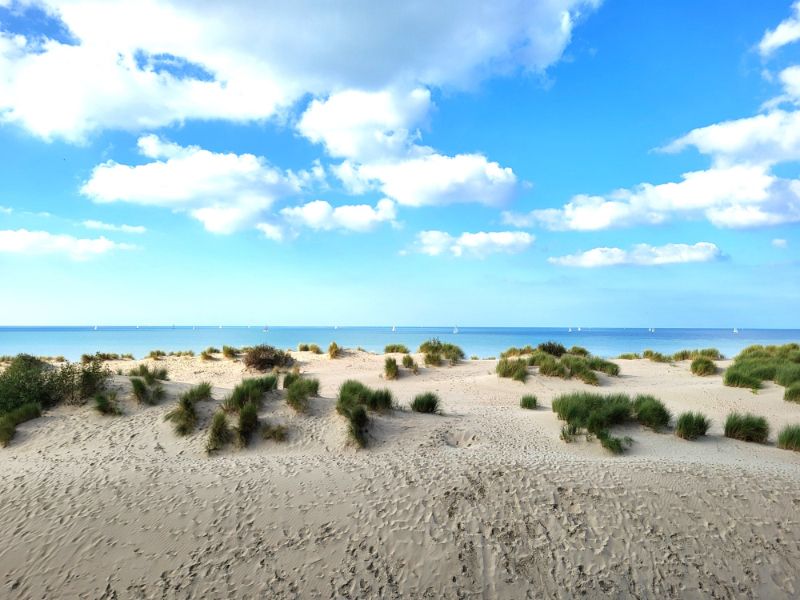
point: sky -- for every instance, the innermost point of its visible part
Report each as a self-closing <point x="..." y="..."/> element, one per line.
<point x="604" y="163"/>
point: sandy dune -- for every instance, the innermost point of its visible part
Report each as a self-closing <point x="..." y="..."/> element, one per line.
<point x="482" y="502"/>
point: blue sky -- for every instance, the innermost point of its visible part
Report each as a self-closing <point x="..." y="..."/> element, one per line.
<point x="615" y="163"/>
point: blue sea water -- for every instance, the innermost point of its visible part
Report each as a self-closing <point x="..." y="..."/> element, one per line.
<point x="71" y="342"/>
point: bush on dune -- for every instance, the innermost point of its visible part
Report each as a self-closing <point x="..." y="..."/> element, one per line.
<point x="553" y="368"/>
<point x="248" y="424"/>
<point x="651" y="412"/>
<point x="395" y="348"/>
<point x="528" y="401"/>
<point x="425" y="403"/>
<point x="691" y="425"/>
<point x="516" y="369"/>
<point x="789" y="438"/>
<point x="437" y="349"/>
<point x="746" y="427"/>
<point x="552" y="348"/>
<point x="147" y="394"/>
<point x="655" y="356"/>
<point x="300" y="391"/>
<point x="703" y="366"/>
<point x="106" y="404"/>
<point x="433" y="359"/>
<point x="334" y="350"/>
<point x="10" y="420"/>
<point x="390" y="369"/>
<point x="276" y="433"/>
<point x="354" y="400"/>
<point x="230" y="352"/>
<point x="629" y="356"/>
<point x="200" y="392"/>
<point x="291" y="377"/>
<point x="183" y="416"/>
<point x="265" y="358"/>
<point x="756" y="364"/>
<point x="408" y="361"/>
<point x="156" y="354"/>
<point x="792" y="393"/>
<point x="149" y="374"/>
<point x="249" y="391"/>
<point x="219" y="434"/>
<point x="302" y="348"/>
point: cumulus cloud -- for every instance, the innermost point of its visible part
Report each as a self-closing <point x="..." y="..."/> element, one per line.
<point x="225" y="191"/>
<point x="321" y="215"/>
<point x="23" y="241"/>
<point x="787" y="32"/>
<point x="128" y="64"/>
<point x="91" y="224"/>
<point x="640" y="254"/>
<point x="480" y="244"/>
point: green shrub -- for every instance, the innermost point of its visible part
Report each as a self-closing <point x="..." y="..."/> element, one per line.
<point x="408" y="361"/>
<point x="276" y="433"/>
<point x="10" y="420"/>
<point x="755" y="364"/>
<point x="528" y="401"/>
<point x="703" y="366"/>
<point x="553" y="368"/>
<point x="655" y="356"/>
<point x="230" y="352"/>
<point x="264" y="358"/>
<point x="248" y="424"/>
<point x="586" y="376"/>
<point x="789" y="438"/>
<point x="436" y="350"/>
<point x="691" y="425"/>
<point x="390" y="368"/>
<point x="300" y="391"/>
<point x="156" y="354"/>
<point x="787" y="374"/>
<point x="579" y="351"/>
<point x="737" y="377"/>
<point x="206" y="355"/>
<point x="433" y="359"/>
<point x="514" y="351"/>
<point x="398" y="348"/>
<point x="605" y="366"/>
<point x="141" y="391"/>
<point x="106" y="404"/>
<point x="357" y="425"/>
<point x="183" y="416"/>
<point x="552" y="348"/>
<point x="595" y="414"/>
<point x="219" y="434"/>
<point x="792" y="393"/>
<point x="629" y="356"/>
<point x="425" y="403"/>
<point x="651" y="412"/>
<point x="290" y="378"/>
<point x="314" y="348"/>
<point x="249" y="391"/>
<point x="516" y="369"/>
<point x="615" y="445"/>
<point x="333" y="350"/>
<point x="302" y="347"/>
<point x="746" y="427"/>
<point x="149" y="374"/>
<point x="354" y="400"/>
<point x="537" y="357"/>
<point x="200" y="392"/>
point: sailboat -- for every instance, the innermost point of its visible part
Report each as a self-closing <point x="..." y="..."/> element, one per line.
<point x="570" y="329"/>
<point x="455" y="329"/>
<point x="266" y="329"/>
<point x="735" y="331"/>
<point x="394" y="328"/>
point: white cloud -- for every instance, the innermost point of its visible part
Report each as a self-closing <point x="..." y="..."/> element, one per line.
<point x="780" y="243"/>
<point x="6" y="210"/>
<point x="137" y="64"/>
<point x="786" y="32"/>
<point x="480" y="244"/>
<point x="641" y="254"/>
<point x="272" y="231"/>
<point x="435" y="179"/>
<point x="320" y="215"/>
<point x="90" y="224"/>
<point x="23" y="241"/>
<point x="226" y="192"/>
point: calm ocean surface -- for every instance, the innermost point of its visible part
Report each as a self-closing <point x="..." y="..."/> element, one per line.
<point x="71" y="342"/>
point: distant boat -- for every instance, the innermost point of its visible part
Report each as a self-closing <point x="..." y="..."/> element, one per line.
<point x="735" y="330"/>
<point x="95" y="327"/>
<point x="266" y="329"/>
<point x="336" y="327"/>
<point x="579" y="328"/>
<point x="394" y="328"/>
<point x="455" y="329"/>
<point x="570" y="329"/>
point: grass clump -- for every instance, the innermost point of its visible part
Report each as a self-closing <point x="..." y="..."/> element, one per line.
<point x="298" y="393"/>
<point x="516" y="369"/>
<point x="200" y="392"/>
<point x="746" y="427"/>
<point x="654" y="356"/>
<point x="439" y="350"/>
<point x="408" y="361"/>
<point x="302" y="347"/>
<point x="183" y="416"/>
<point x="206" y="355"/>
<point x="579" y="351"/>
<point x="390" y="369"/>
<point x="709" y="353"/>
<point x="739" y="378"/>
<point x="291" y="377"/>
<point x="528" y="401"/>
<point x="149" y="374"/>
<point x="314" y="348"/>
<point x="147" y="394"/>
<point x="219" y="433"/>
<point x="106" y="404"/>
<point x="792" y="393"/>
<point x="605" y="366"/>
<point x="651" y="412"/>
<point x="550" y="367"/>
<point x="10" y="420"/>
<point x="594" y="414"/>
<point x="757" y="363"/>
<point x="552" y="348"/>
<point x="629" y="356"/>
<point x="265" y="358"/>
<point x="398" y="348"/>
<point x="425" y="403"/>
<point x="249" y="391"/>
<point x="703" y="366"/>
<point x="156" y="354"/>
<point x="353" y="402"/>
<point x="248" y="424"/>
<point x="230" y="352"/>
<point x="276" y="433"/>
<point x="789" y="438"/>
<point x="334" y="350"/>
<point x="691" y="425"/>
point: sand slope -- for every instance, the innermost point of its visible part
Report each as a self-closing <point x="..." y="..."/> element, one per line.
<point x="482" y="502"/>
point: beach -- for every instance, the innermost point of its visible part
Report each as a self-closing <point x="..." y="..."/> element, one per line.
<point x="481" y="501"/>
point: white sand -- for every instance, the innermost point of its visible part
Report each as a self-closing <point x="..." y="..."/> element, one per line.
<point x="482" y="502"/>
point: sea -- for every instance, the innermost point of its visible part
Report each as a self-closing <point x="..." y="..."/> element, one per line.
<point x="484" y="342"/>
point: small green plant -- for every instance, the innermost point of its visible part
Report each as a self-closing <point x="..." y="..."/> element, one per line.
<point x="552" y="348"/>
<point x="206" y="355"/>
<point x="746" y="427"/>
<point x="276" y="433"/>
<point x="651" y="412"/>
<point x="302" y="347"/>
<point x="147" y="394"/>
<point x="291" y="377"/>
<point x="10" y="420"/>
<point x="528" y="401"/>
<point x="579" y="351"/>
<point x="654" y="356"/>
<point x="149" y="374"/>
<point x="156" y="354"/>
<point x="183" y="416"/>
<point x="437" y="350"/>
<point x="594" y="414"/>
<point x="792" y="393"/>
<point x="395" y="348"/>
<point x="219" y="434"/>
<point x="551" y="367"/>
<point x="248" y="424"/>
<point x="738" y="378"/>
<point x="265" y="358"/>
<point x="629" y="356"/>
<point x="300" y="391"/>
<point x="789" y="438"/>
<point x="354" y="400"/>
<point x="408" y="361"/>
<point x="425" y="403"/>
<point x="691" y="425"/>
<point x="703" y="366"/>
<point x="334" y="350"/>
<point x="569" y="431"/>
<point x="230" y="352"/>
<point x="314" y="348"/>
<point x="516" y="369"/>
<point x="615" y="445"/>
<point x="200" y="392"/>
<point x="432" y="359"/>
<point x="106" y="403"/>
<point x="390" y="368"/>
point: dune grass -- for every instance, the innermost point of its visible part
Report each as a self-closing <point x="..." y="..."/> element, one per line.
<point x="199" y="392"/>
<point x="432" y="359"/>
<point x="276" y="433"/>
<point x="516" y="369"/>
<point x="691" y="425"/>
<point x="298" y="393"/>
<point x="156" y="354"/>
<point x="746" y="427"/>
<point x="651" y="412"/>
<point x="10" y="420"/>
<point x="427" y="402"/>
<point x="354" y="400"/>
<point x="106" y="403"/>
<point x="551" y="367"/>
<point x="390" y="368"/>
<point x="249" y="391"/>
<point x="230" y="352"/>
<point x="265" y="358"/>
<point x="435" y="350"/>
<point x="629" y="356"/>
<point x="334" y="350"/>
<point x="248" y="424"/>
<point x="314" y="348"/>
<point x="147" y="394"/>
<point x="528" y="401"/>
<point x="792" y="392"/>
<point x="149" y="374"/>
<point x="703" y="366"/>
<point x="756" y="364"/>
<point x="395" y="348"/>
<point x="183" y="416"/>
<point x="654" y="356"/>
<point x="408" y="361"/>
<point x="552" y="348"/>
<point x="206" y="355"/>
<point x="302" y="347"/>
<point x="789" y="438"/>
<point x="219" y="433"/>
<point x="291" y="377"/>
